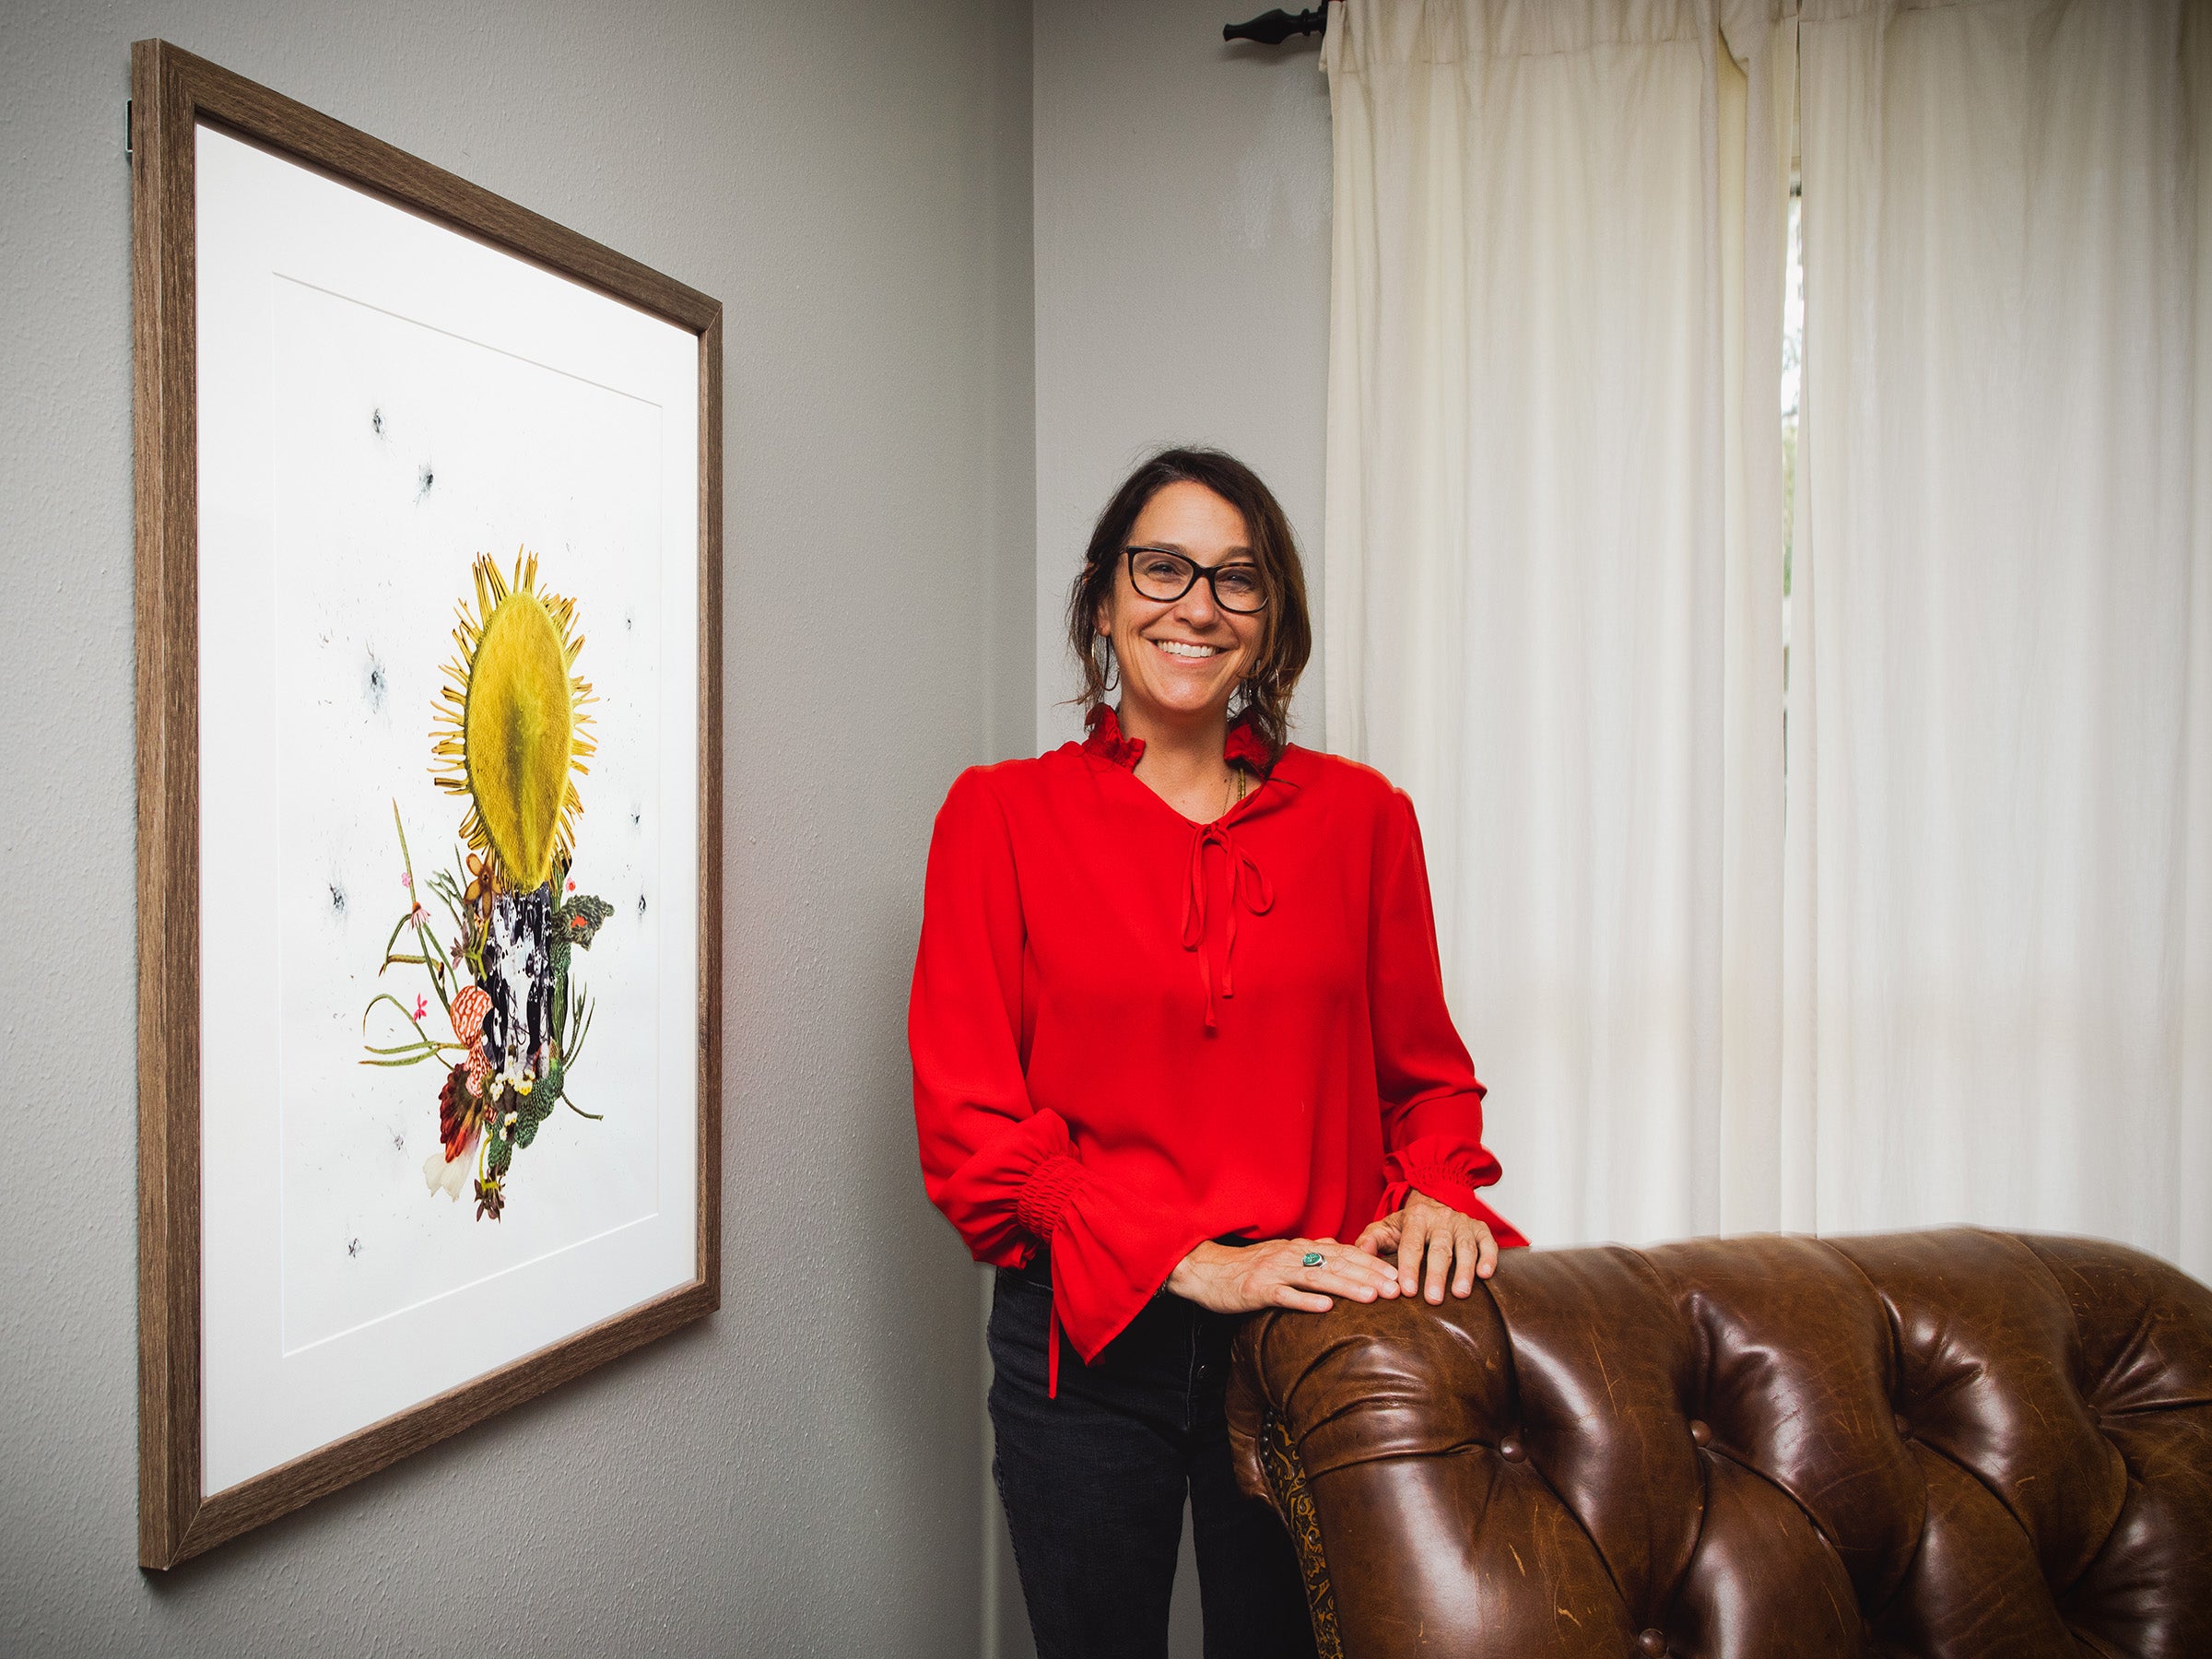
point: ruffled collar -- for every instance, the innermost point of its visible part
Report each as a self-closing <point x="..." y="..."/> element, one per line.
<point x="1244" y="746"/>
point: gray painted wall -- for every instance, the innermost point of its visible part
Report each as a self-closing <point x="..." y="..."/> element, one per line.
<point x="800" y="1474"/>
<point x="1183" y="274"/>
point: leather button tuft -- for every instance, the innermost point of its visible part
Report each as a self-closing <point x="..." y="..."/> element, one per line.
<point x="1652" y="1642"/>
<point x="1511" y="1450"/>
<point x="1699" y="1432"/>
<point x="1904" y="1430"/>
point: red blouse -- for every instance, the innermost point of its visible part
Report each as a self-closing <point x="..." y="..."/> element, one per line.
<point x="1131" y="1033"/>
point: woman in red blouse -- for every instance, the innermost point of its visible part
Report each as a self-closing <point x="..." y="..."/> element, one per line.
<point x="1178" y="1028"/>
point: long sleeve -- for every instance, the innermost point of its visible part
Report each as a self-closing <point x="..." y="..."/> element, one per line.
<point x="999" y="1170"/>
<point x="1005" y="1172"/>
<point x="1431" y="1101"/>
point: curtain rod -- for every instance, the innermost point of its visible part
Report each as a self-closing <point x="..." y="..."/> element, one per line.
<point x="1272" y="28"/>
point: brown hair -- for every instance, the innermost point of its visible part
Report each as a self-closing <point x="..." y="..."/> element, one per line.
<point x="1263" y="700"/>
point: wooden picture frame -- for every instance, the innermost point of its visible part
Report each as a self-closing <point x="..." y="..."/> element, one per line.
<point x="175" y="97"/>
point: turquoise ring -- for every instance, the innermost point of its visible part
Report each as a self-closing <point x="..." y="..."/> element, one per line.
<point x="1312" y="1259"/>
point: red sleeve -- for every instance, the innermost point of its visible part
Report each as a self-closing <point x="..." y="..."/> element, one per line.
<point x="997" y="1168"/>
<point x="1005" y="1173"/>
<point x="1431" y="1101"/>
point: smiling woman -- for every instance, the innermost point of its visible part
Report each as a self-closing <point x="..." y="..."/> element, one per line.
<point x="1182" y="509"/>
<point x="1178" y="1029"/>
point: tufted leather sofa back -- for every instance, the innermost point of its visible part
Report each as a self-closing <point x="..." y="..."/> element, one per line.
<point x="1956" y="1444"/>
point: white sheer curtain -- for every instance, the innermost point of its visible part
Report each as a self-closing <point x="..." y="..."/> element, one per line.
<point x="2000" y="814"/>
<point x="1552" y="566"/>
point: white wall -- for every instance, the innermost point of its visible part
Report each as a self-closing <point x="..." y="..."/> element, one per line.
<point x="801" y="1473"/>
<point x="1183" y="274"/>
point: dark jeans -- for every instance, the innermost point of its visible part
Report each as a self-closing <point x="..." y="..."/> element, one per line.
<point x="1094" y="1482"/>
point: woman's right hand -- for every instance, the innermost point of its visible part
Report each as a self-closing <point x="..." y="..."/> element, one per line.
<point x="1227" y="1279"/>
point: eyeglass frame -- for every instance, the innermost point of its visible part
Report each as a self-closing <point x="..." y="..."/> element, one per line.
<point x="1129" y="555"/>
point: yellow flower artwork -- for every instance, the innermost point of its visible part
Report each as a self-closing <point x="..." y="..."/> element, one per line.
<point x="510" y="737"/>
<point x="513" y="724"/>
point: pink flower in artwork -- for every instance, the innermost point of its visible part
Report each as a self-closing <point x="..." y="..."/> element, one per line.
<point x="406" y="879"/>
<point x="422" y="1007"/>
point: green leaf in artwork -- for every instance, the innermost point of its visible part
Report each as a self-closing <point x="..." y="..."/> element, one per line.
<point x="578" y="921"/>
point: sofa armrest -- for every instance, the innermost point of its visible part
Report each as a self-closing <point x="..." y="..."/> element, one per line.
<point x="1383" y="1434"/>
<point x="1981" y="1444"/>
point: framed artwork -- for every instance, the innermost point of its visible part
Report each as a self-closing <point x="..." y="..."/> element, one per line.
<point x="429" y="620"/>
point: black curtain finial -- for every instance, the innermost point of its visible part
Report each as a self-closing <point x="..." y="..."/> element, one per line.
<point x="1272" y="28"/>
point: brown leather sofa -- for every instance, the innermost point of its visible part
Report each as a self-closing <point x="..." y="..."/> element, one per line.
<point x="1956" y="1444"/>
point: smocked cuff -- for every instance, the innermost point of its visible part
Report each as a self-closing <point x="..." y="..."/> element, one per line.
<point x="1038" y="1205"/>
<point x="1440" y="1180"/>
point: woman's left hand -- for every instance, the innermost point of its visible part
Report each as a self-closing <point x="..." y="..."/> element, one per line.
<point x="1445" y="1241"/>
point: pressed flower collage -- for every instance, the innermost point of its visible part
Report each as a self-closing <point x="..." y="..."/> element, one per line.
<point x="510" y="739"/>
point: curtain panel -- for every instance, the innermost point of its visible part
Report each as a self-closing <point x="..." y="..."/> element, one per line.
<point x="1967" y="974"/>
<point x="2000" y="724"/>
<point x="1552" y="566"/>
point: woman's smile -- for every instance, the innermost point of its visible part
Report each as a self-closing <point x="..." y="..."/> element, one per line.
<point x="1183" y="657"/>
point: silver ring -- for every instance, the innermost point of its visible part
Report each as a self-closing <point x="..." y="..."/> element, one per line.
<point x="1313" y="1259"/>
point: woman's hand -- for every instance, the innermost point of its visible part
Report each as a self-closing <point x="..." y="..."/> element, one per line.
<point x="1447" y="1241"/>
<point x="1229" y="1279"/>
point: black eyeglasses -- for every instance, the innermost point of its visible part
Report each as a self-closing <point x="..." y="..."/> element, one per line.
<point x="1161" y="574"/>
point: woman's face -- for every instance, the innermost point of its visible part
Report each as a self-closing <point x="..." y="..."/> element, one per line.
<point x="1183" y="657"/>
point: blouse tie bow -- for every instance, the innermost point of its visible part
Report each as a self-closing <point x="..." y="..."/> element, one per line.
<point x="1248" y="887"/>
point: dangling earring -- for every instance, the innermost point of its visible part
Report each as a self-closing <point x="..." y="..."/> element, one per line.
<point x="1102" y="658"/>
